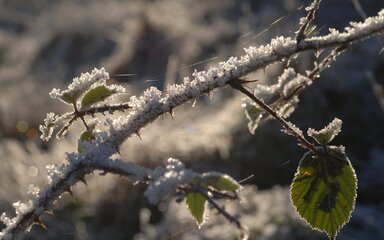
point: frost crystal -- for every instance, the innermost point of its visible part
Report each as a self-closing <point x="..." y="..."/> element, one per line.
<point x="167" y="179"/>
<point x="22" y="208"/>
<point x="48" y="127"/>
<point x="33" y="190"/>
<point x="326" y="134"/>
<point x="53" y="173"/>
<point x="79" y="85"/>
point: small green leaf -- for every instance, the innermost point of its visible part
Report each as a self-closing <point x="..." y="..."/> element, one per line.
<point x="68" y="98"/>
<point x="222" y="183"/>
<point x="327" y="134"/>
<point x="324" y="190"/>
<point x="196" y="205"/>
<point x="86" y="136"/>
<point x="95" y="95"/>
<point x="254" y="116"/>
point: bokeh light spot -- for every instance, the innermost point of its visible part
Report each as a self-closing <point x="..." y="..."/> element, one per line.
<point x="32" y="134"/>
<point x="32" y="171"/>
<point x="22" y="126"/>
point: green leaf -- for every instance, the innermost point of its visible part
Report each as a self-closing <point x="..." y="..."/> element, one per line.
<point x="324" y="190"/>
<point x="196" y="205"/>
<point x="68" y="98"/>
<point x="95" y="95"/>
<point x="86" y="136"/>
<point x="254" y="116"/>
<point x="327" y="134"/>
<point x="222" y="183"/>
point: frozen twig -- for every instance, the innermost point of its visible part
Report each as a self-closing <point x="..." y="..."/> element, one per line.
<point x="304" y="22"/>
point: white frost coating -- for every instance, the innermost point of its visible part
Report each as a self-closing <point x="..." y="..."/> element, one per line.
<point x="294" y="83"/>
<point x="268" y="93"/>
<point x="49" y="125"/>
<point x="328" y="133"/>
<point x="355" y="29"/>
<point x="286" y="85"/>
<point x="33" y="190"/>
<point x="22" y="208"/>
<point x="54" y="173"/>
<point x="5" y="219"/>
<point x="165" y="180"/>
<point x="81" y="84"/>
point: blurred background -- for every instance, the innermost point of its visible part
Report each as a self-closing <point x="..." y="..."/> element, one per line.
<point x="44" y="44"/>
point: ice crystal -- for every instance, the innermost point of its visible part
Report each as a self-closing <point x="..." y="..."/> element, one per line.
<point x="49" y="125"/>
<point x="165" y="180"/>
<point x="79" y="85"/>
<point x="326" y="134"/>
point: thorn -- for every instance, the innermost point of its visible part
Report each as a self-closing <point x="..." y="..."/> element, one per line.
<point x="209" y="94"/>
<point x="49" y="212"/>
<point x="82" y="179"/>
<point x="138" y="134"/>
<point x="171" y="112"/>
<point x="68" y="190"/>
<point x="245" y="81"/>
<point x="41" y="224"/>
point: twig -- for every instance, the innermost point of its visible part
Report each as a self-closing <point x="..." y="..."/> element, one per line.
<point x="91" y="112"/>
<point x="216" y="206"/>
<point x="236" y="84"/>
<point x="308" y="19"/>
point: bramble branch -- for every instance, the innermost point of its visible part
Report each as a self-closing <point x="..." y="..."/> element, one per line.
<point x="154" y="103"/>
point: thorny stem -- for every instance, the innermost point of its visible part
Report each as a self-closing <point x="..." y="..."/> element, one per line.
<point x="91" y="112"/>
<point x="308" y="19"/>
<point x="216" y="206"/>
<point x="82" y="119"/>
<point x="196" y="188"/>
<point x="316" y="71"/>
<point x="78" y="170"/>
<point x="237" y="84"/>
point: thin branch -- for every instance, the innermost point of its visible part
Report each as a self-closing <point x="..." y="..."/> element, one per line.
<point x="91" y="112"/>
<point x="236" y="84"/>
<point x="308" y="19"/>
<point x="216" y="206"/>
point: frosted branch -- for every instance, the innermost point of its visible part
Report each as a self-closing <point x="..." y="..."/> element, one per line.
<point x="153" y="103"/>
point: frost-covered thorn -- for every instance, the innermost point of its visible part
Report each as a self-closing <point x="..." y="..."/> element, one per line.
<point x="171" y="112"/>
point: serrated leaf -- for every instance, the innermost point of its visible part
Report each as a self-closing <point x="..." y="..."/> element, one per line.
<point x="222" y="183"/>
<point x="95" y="95"/>
<point x="196" y="205"/>
<point x="324" y="190"/>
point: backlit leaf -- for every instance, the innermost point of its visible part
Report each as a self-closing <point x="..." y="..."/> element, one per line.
<point x="68" y="98"/>
<point x="196" y="205"/>
<point x="223" y="183"/>
<point x="95" y="95"/>
<point x="324" y="190"/>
